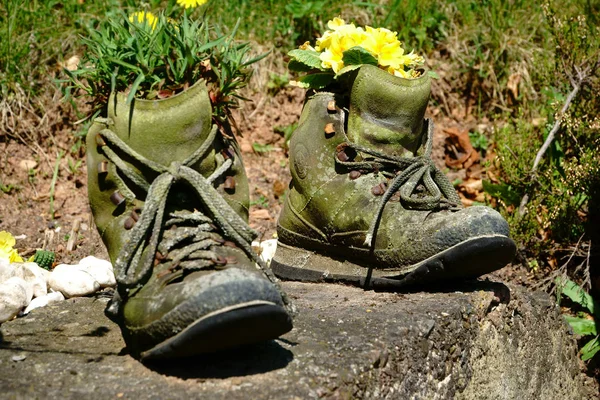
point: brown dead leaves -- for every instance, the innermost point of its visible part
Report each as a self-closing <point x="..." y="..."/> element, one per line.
<point x="460" y="154"/>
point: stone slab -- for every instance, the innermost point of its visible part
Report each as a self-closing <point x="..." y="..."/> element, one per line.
<point x="484" y="340"/>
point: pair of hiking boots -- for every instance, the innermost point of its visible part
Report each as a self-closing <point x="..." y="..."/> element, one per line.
<point x="366" y="206"/>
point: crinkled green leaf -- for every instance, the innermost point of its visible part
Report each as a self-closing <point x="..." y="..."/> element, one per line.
<point x="576" y="293"/>
<point x="297" y="66"/>
<point x="316" y="81"/>
<point x="310" y="58"/>
<point x="582" y="326"/>
<point x="346" y="69"/>
<point x="590" y="349"/>
<point x="358" y="56"/>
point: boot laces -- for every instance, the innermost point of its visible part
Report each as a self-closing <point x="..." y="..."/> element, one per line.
<point x="409" y="176"/>
<point x="188" y="245"/>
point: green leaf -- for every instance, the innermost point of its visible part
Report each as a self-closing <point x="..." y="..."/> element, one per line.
<point x="590" y="349"/>
<point x="358" y="56"/>
<point x="433" y="75"/>
<point x="346" y="69"/>
<point x="582" y="326"/>
<point x="140" y="78"/>
<point x="502" y="191"/>
<point x="576" y="293"/>
<point x="310" y="58"/>
<point x="297" y="66"/>
<point x="316" y="81"/>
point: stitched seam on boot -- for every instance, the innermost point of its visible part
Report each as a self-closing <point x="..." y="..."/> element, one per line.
<point x="339" y="209"/>
<point x="304" y="221"/>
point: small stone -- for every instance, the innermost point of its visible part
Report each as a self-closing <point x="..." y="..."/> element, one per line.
<point x="95" y="261"/>
<point x="37" y="277"/>
<point x="30" y="272"/>
<point x="100" y="270"/>
<point x="15" y="294"/>
<point x="43" y="301"/>
<point x="26" y="165"/>
<point x="18" y="357"/>
<point x="72" y="281"/>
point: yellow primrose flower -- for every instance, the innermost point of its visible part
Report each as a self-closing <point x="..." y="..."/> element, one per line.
<point x="144" y="17"/>
<point x="324" y="41"/>
<point x="7" y="242"/>
<point x="336" y="23"/>
<point x="332" y="56"/>
<point x="391" y="55"/>
<point x="191" y="3"/>
<point x="382" y="41"/>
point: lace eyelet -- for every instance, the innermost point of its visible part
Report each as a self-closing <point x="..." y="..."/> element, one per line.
<point x="329" y="130"/>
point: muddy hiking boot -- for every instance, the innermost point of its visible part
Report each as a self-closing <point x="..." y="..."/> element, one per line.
<point x="366" y="204"/>
<point x="170" y="200"/>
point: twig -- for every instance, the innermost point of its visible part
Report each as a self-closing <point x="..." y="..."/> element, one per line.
<point x="582" y="76"/>
<point x="260" y="104"/>
<point x="556" y="127"/>
<point x="587" y="282"/>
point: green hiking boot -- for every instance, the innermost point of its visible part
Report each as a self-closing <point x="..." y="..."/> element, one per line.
<point x="169" y="197"/>
<point x="366" y="204"/>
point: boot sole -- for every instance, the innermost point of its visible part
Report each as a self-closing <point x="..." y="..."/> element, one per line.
<point x="230" y="327"/>
<point x="465" y="260"/>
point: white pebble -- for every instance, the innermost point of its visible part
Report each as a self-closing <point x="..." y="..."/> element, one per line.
<point x="7" y="270"/>
<point x="18" y="357"/>
<point x="15" y="294"/>
<point x="267" y="249"/>
<point x="72" y="281"/>
<point x="101" y="270"/>
<point x="31" y="273"/>
<point x="43" y="301"/>
<point x="37" y="277"/>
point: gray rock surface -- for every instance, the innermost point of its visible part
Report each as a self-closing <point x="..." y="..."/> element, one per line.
<point x="489" y="341"/>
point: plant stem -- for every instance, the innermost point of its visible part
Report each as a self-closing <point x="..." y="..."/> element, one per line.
<point x="556" y="126"/>
<point x="53" y="184"/>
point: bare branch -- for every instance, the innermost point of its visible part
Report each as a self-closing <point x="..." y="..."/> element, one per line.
<point x="581" y="77"/>
<point x="556" y="126"/>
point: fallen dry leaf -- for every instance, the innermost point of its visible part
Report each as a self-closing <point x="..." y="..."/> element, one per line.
<point x="461" y="154"/>
<point x="279" y="188"/>
<point x="513" y="84"/>
<point x="260" y="214"/>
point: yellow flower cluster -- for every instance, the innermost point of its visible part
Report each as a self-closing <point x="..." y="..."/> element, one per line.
<point x="382" y="43"/>
<point x="144" y="17"/>
<point x="7" y="252"/>
<point x="191" y="3"/>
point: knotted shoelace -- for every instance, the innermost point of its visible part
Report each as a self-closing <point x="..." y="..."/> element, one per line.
<point x="407" y="174"/>
<point x="196" y="228"/>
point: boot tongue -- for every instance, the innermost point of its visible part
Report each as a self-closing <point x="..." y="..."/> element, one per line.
<point x="164" y="130"/>
<point x="386" y="112"/>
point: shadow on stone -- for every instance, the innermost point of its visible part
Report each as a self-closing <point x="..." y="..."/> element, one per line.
<point x="500" y="289"/>
<point x="98" y="332"/>
<point x="248" y="360"/>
